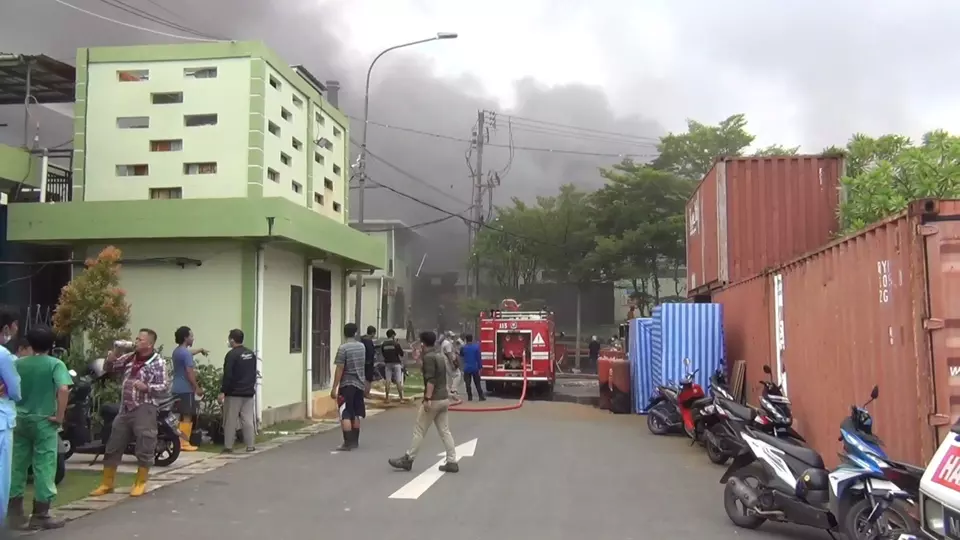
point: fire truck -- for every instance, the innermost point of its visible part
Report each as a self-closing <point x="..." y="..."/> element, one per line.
<point x="511" y="339"/>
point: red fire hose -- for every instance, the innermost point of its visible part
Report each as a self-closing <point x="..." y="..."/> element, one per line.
<point x="515" y="406"/>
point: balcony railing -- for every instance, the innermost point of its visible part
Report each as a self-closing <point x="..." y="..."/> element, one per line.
<point x="59" y="188"/>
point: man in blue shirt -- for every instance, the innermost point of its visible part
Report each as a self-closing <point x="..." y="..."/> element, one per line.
<point x="185" y="386"/>
<point x="471" y="366"/>
<point x="9" y="395"/>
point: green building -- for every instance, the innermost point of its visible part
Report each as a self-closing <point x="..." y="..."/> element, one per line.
<point x="222" y="173"/>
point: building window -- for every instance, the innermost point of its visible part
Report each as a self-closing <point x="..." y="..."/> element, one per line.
<point x="286" y="115"/>
<point x="319" y="118"/>
<point x="200" y="73"/>
<point x="133" y="75"/>
<point x="297" y="145"/>
<point x="318" y="198"/>
<point x="273" y="128"/>
<point x="297" y="102"/>
<point x="133" y="122"/>
<point x="327" y="183"/>
<point x="273" y="175"/>
<point x="337" y="133"/>
<point x="167" y="145"/>
<point x="336" y="170"/>
<point x="297" y="187"/>
<point x="327" y="144"/>
<point x="296" y="318"/>
<point x="166" y="193"/>
<point x="196" y="120"/>
<point x="318" y="158"/>
<point x="208" y="167"/>
<point x="275" y="83"/>
<point x="285" y="159"/>
<point x="166" y="98"/>
<point x="133" y="170"/>
<point x="336" y="207"/>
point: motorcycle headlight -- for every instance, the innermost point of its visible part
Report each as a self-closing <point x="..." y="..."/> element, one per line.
<point x="933" y="515"/>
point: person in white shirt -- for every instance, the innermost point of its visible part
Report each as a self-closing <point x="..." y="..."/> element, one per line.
<point x="454" y="376"/>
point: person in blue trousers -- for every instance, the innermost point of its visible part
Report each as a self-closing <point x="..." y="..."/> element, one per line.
<point x="9" y="395"/>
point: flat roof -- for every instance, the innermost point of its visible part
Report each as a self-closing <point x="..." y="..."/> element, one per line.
<point x="51" y="81"/>
<point x="382" y="225"/>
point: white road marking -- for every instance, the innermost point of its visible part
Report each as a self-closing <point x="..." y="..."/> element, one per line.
<point x="419" y="485"/>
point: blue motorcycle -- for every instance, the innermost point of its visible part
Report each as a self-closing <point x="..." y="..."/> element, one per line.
<point x="874" y="493"/>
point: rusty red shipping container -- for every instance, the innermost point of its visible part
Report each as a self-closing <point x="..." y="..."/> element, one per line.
<point x="880" y="307"/>
<point x="751" y="214"/>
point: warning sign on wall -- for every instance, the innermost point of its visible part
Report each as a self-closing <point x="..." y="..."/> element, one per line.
<point x="538" y="339"/>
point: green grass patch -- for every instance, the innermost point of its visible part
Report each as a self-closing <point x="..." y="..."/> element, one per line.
<point x="77" y="485"/>
<point x="266" y="434"/>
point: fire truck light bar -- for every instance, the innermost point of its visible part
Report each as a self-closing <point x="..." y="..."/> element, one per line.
<point x="519" y="315"/>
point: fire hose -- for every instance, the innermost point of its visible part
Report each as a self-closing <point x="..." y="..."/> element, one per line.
<point x="515" y="406"/>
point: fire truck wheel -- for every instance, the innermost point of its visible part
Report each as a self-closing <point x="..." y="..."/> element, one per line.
<point x="493" y="387"/>
<point x="547" y="391"/>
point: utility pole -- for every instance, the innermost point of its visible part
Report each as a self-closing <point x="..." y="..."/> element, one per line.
<point x="477" y="202"/>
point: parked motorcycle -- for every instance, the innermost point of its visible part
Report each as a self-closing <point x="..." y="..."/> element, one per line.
<point x="78" y="428"/>
<point x="781" y="481"/>
<point x="671" y="408"/>
<point x="773" y="416"/>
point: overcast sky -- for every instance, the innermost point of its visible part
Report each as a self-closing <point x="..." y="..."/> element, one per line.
<point x="805" y="73"/>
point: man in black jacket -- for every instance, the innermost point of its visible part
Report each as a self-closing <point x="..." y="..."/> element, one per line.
<point x="237" y="391"/>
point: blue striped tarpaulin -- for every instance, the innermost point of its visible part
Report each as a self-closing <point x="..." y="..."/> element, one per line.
<point x="680" y="331"/>
<point x="640" y="357"/>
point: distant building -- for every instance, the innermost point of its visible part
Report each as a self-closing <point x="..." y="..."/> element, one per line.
<point x="221" y="172"/>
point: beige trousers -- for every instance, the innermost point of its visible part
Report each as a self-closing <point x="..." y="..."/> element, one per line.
<point x="433" y="412"/>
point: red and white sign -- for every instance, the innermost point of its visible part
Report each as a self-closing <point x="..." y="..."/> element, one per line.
<point x="947" y="473"/>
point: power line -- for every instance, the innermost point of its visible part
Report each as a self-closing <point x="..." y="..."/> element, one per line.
<point x="522" y="128"/>
<point x="135" y="27"/>
<point x="146" y="15"/>
<point x="418" y="225"/>
<point x="514" y="147"/>
<point x="556" y="125"/>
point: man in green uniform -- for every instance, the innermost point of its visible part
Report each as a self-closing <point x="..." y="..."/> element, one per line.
<point x="45" y="387"/>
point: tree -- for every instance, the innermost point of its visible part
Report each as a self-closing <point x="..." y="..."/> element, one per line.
<point x="775" y="150"/>
<point x="690" y="155"/>
<point x="887" y="173"/>
<point x="94" y="305"/>
<point x="506" y="249"/>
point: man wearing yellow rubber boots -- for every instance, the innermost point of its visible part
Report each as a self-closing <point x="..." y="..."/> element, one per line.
<point x="185" y="386"/>
<point x="45" y="389"/>
<point x="144" y="381"/>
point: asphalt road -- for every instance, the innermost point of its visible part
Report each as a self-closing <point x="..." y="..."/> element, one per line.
<point x="549" y="470"/>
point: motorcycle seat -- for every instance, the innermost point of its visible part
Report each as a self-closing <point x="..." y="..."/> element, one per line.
<point x="109" y="411"/>
<point x="801" y="453"/>
<point x="912" y="470"/>
<point x="701" y="403"/>
<point x="742" y="412"/>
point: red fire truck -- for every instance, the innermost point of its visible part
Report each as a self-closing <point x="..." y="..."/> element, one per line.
<point x="511" y="338"/>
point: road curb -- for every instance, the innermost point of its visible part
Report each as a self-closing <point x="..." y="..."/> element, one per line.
<point x="86" y="506"/>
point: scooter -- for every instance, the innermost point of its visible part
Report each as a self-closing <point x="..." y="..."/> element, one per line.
<point x="773" y="416"/>
<point x="672" y="409"/>
<point x="780" y="481"/>
<point x="78" y="425"/>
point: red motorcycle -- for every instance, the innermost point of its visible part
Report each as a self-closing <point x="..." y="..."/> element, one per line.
<point x="676" y="408"/>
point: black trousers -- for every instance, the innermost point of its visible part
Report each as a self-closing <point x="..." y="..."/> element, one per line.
<point x="475" y="377"/>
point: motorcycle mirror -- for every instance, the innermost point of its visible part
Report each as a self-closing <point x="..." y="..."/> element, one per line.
<point x="767" y="370"/>
<point x="875" y="393"/>
<point x="72" y="372"/>
<point x="686" y="362"/>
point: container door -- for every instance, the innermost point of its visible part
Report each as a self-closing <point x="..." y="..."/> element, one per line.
<point x="942" y="239"/>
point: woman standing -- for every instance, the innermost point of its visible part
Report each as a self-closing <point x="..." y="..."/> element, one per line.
<point x="9" y="395"/>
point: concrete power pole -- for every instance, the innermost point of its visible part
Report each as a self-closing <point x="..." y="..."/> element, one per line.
<point x="477" y="214"/>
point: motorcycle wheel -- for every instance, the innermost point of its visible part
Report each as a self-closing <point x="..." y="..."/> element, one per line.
<point x="898" y="516"/>
<point x="714" y="453"/>
<point x="654" y="424"/>
<point x="168" y="451"/>
<point x="734" y="508"/>
<point x="61" y="469"/>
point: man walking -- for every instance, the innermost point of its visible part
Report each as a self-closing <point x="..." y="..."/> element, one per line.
<point x="370" y="359"/>
<point x="593" y="349"/>
<point x="432" y="410"/>
<point x="349" y="386"/>
<point x="411" y="334"/>
<point x="454" y="376"/>
<point x="185" y="387"/>
<point x="144" y="382"/>
<point x="237" y="390"/>
<point x="45" y="384"/>
<point x="9" y="396"/>
<point x="393" y="365"/>
<point x="471" y="367"/>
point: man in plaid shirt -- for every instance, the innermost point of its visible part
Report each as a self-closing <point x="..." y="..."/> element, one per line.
<point x="144" y="381"/>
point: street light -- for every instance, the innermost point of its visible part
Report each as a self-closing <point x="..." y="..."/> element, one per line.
<point x="362" y="160"/>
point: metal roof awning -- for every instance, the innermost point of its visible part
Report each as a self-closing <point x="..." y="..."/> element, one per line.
<point x="46" y="79"/>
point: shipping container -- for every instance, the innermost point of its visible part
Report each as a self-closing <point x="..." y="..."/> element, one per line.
<point x="881" y="307"/>
<point x="682" y="331"/>
<point x="752" y="214"/>
<point x="748" y="329"/>
<point x="640" y="353"/>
